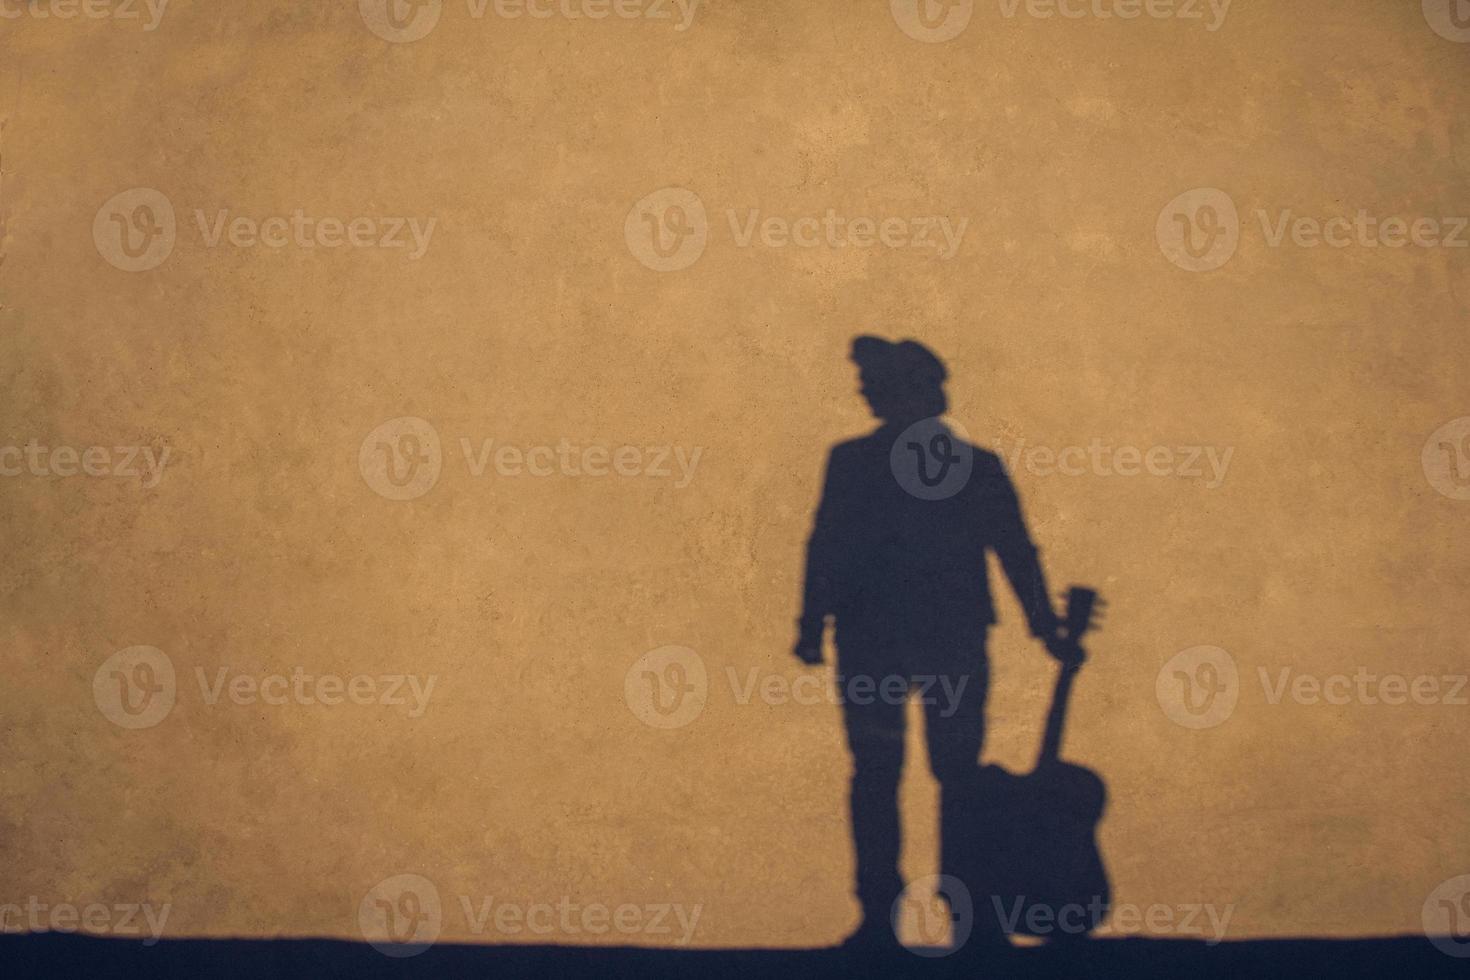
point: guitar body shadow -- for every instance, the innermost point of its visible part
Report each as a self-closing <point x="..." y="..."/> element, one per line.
<point x="1025" y="847"/>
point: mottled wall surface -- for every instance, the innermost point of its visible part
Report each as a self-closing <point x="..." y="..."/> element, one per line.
<point x="1233" y="425"/>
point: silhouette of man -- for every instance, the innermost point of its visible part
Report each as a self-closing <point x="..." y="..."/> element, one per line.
<point x="897" y="560"/>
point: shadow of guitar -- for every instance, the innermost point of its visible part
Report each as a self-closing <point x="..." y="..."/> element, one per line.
<point x="1025" y="845"/>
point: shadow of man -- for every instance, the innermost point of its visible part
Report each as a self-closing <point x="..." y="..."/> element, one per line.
<point x="897" y="563"/>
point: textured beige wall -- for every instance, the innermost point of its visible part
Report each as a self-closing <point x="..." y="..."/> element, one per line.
<point x="264" y="546"/>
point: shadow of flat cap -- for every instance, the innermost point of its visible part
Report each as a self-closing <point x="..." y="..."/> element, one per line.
<point x="906" y="362"/>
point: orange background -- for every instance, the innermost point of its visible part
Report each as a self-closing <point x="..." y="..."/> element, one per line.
<point x="529" y="320"/>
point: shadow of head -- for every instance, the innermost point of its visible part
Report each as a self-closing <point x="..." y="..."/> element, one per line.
<point x="903" y="382"/>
